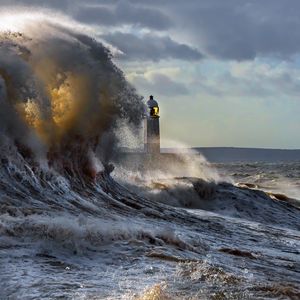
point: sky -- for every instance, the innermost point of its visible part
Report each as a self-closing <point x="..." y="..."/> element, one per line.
<point x="225" y="73"/>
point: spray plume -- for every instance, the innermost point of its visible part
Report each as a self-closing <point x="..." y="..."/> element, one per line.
<point x="60" y="88"/>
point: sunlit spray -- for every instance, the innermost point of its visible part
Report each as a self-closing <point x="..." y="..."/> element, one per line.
<point x="61" y="89"/>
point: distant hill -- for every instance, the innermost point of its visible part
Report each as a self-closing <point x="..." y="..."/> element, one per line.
<point x="230" y="154"/>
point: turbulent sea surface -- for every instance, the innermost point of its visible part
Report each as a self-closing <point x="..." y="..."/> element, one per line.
<point x="104" y="241"/>
<point x="76" y="222"/>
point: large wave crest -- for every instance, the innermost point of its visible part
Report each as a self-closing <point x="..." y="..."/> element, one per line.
<point x="60" y="93"/>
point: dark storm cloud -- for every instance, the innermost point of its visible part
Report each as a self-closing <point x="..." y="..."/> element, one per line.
<point x="235" y="29"/>
<point x="231" y="29"/>
<point x="151" y="47"/>
<point x="238" y="30"/>
<point x="243" y="30"/>
<point x="55" y="4"/>
<point x="124" y="13"/>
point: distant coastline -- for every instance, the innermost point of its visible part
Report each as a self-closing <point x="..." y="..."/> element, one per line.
<point x="235" y="154"/>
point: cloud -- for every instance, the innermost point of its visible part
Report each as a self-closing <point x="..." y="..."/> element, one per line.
<point x="229" y="30"/>
<point x="102" y="13"/>
<point x="241" y="30"/>
<point x="151" y="47"/>
<point x="246" y="81"/>
<point x="234" y="29"/>
<point x="160" y="84"/>
<point x="123" y="13"/>
<point x="55" y="4"/>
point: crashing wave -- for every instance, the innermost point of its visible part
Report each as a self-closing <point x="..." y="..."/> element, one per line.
<point x="62" y="101"/>
<point x="61" y="96"/>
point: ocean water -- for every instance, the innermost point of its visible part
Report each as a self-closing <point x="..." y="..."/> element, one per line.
<point x="106" y="241"/>
<point x="77" y="221"/>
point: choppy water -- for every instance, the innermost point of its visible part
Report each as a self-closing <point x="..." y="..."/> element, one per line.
<point x="70" y="228"/>
<point x="102" y="241"/>
<point x="273" y="177"/>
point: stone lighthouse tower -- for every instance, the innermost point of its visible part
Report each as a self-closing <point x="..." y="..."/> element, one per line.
<point x="151" y="127"/>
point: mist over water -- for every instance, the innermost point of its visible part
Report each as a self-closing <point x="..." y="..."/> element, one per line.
<point x="73" y="227"/>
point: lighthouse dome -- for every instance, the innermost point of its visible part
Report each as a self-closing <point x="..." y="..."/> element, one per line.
<point x="152" y="103"/>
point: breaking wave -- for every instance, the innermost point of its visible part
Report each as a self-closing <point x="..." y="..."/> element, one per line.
<point x="62" y="97"/>
<point x="63" y="104"/>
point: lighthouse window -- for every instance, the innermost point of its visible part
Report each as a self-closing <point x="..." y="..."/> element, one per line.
<point x="154" y="111"/>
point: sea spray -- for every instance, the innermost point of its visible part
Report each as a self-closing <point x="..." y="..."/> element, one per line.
<point x="69" y="230"/>
<point x="61" y="91"/>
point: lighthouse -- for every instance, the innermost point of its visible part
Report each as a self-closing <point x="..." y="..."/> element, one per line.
<point x="151" y="128"/>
